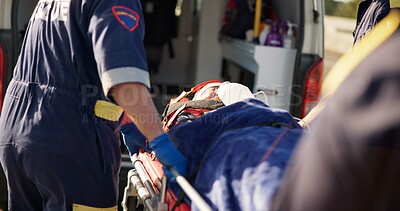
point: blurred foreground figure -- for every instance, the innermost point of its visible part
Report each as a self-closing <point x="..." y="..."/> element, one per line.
<point x="351" y="159"/>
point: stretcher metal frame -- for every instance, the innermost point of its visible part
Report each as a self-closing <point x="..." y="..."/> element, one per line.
<point x="151" y="196"/>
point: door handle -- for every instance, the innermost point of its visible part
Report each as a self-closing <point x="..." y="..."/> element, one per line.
<point x="315" y="11"/>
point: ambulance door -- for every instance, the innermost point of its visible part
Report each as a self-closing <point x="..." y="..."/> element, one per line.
<point x="307" y="78"/>
<point x="177" y="57"/>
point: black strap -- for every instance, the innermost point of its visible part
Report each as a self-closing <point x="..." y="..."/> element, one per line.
<point x="200" y="104"/>
<point x="179" y="200"/>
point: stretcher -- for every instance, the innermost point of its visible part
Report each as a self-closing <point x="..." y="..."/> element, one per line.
<point x="146" y="184"/>
<point x="261" y="141"/>
<point x="147" y="188"/>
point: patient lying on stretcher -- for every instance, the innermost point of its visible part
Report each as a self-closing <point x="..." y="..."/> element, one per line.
<point x="237" y="146"/>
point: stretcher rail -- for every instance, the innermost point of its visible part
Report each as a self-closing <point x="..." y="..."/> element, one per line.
<point x="139" y="185"/>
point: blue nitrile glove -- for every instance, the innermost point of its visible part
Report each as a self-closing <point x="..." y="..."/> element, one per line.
<point x="169" y="156"/>
<point x="133" y="138"/>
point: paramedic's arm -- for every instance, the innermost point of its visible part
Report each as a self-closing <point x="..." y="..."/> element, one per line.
<point x="135" y="99"/>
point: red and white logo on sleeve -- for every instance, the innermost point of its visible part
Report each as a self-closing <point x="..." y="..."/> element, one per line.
<point x="126" y="17"/>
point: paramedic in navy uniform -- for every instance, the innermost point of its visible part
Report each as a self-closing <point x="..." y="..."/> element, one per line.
<point x="56" y="151"/>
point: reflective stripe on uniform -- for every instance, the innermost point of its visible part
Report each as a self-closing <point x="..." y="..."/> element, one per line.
<point x="394" y="3"/>
<point x="79" y="207"/>
<point x="107" y="110"/>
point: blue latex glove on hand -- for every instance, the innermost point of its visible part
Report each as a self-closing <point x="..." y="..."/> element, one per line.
<point x="133" y="138"/>
<point x="169" y="156"/>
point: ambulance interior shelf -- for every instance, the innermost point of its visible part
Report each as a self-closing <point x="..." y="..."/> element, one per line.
<point x="272" y="67"/>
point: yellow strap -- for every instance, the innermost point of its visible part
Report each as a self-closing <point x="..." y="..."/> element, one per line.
<point x="107" y="110"/>
<point x="79" y="207"/>
<point x="348" y="62"/>
<point x="394" y="3"/>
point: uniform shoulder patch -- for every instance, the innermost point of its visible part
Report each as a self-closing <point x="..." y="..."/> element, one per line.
<point x="126" y="17"/>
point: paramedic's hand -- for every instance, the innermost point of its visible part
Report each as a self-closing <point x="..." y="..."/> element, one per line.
<point x="169" y="156"/>
<point x="133" y="138"/>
